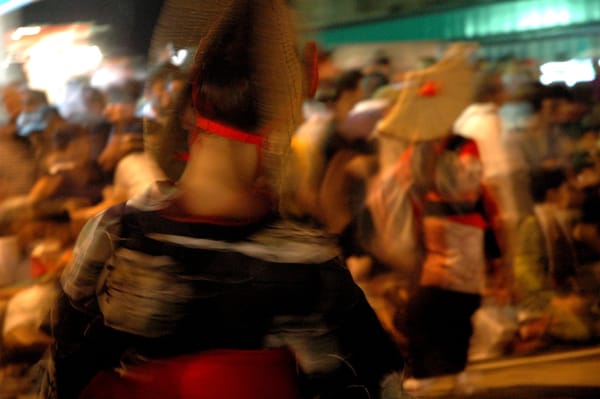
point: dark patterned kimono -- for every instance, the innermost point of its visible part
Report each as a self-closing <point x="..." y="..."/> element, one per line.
<point x="142" y="286"/>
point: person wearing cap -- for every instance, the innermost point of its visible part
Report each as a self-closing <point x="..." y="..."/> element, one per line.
<point x="200" y="288"/>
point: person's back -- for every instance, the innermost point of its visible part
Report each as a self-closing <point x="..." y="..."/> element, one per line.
<point x="208" y="265"/>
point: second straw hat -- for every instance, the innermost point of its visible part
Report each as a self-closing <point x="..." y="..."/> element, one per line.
<point x="432" y="98"/>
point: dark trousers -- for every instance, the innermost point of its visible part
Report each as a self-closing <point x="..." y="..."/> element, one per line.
<point x="439" y="328"/>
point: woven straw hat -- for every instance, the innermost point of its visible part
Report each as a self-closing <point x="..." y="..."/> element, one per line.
<point x="277" y="70"/>
<point x="432" y="98"/>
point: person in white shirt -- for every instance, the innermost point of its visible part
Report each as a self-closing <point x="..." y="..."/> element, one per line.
<point x="505" y="170"/>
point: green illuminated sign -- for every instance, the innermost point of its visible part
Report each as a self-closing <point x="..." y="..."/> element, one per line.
<point x="471" y="22"/>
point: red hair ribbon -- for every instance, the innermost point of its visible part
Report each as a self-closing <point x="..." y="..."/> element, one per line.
<point x="226" y="131"/>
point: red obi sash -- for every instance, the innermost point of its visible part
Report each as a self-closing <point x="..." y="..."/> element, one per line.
<point x="215" y="374"/>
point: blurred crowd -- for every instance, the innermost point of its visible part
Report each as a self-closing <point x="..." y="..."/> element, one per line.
<point x="538" y="146"/>
<point x="61" y="164"/>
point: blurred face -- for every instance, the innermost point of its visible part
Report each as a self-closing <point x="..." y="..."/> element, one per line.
<point x="589" y="176"/>
<point x="570" y="111"/>
<point x="568" y="196"/>
<point x="11" y="97"/>
<point x="117" y="147"/>
<point x="157" y="92"/>
<point x="172" y="93"/>
<point x="500" y="96"/>
<point x="30" y="103"/>
<point x="79" y="150"/>
<point x="163" y="95"/>
<point x="94" y="105"/>
<point x="118" y="112"/>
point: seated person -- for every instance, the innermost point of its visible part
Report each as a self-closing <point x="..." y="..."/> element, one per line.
<point x="545" y="266"/>
<point x="69" y="179"/>
<point x="126" y="133"/>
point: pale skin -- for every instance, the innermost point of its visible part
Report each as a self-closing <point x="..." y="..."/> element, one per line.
<point x="221" y="178"/>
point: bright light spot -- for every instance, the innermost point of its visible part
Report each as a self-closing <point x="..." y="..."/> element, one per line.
<point x="179" y="57"/>
<point x="104" y="77"/>
<point x="564" y="17"/>
<point x="54" y="60"/>
<point x="25" y="31"/>
<point x="547" y="18"/>
<point x="570" y="72"/>
<point x="112" y="72"/>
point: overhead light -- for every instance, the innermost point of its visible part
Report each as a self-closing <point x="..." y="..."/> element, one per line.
<point x="544" y="19"/>
<point x="570" y="72"/>
<point x="179" y="57"/>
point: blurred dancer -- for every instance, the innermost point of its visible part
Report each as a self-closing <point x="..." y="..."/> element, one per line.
<point x="441" y="174"/>
<point x="200" y="289"/>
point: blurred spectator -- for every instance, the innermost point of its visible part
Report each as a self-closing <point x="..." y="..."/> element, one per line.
<point x="17" y="163"/>
<point x="360" y="121"/>
<point x="68" y="179"/>
<point x="545" y="268"/>
<point x="127" y="130"/>
<point x="35" y="113"/>
<point x="544" y="253"/>
<point x="342" y="94"/>
<point x="505" y="171"/>
<point x="134" y="174"/>
<point x="561" y="115"/>
<point x="524" y="125"/>
<point x="587" y="230"/>
<point x="371" y="82"/>
<point x="70" y="172"/>
<point x="161" y="88"/>
<point x="94" y="105"/>
<point x="94" y="120"/>
<point x="37" y="122"/>
<point x="455" y="215"/>
<point x="380" y="65"/>
<point x="84" y="104"/>
<point x="319" y="139"/>
<point x="327" y="68"/>
<point x="12" y="103"/>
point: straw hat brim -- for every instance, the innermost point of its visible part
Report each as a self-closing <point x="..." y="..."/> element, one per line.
<point x="432" y="98"/>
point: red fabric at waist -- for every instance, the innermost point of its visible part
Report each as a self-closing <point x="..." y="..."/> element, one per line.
<point x="216" y="374"/>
